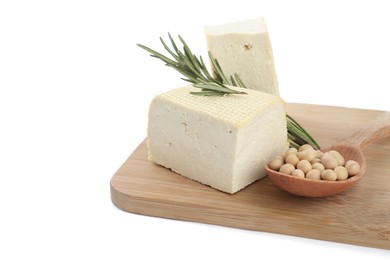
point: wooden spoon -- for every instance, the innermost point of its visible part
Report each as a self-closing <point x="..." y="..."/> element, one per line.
<point x="351" y="149"/>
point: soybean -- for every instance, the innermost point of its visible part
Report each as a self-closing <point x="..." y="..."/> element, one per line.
<point x="341" y="172"/>
<point x="328" y="175"/>
<point x="329" y="161"/>
<point x="314" y="174"/>
<point x="352" y="167"/>
<point x="287" y="168"/>
<point x="298" y="173"/>
<point x="276" y="163"/>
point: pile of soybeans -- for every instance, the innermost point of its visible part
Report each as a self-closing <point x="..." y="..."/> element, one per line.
<point x="306" y="162"/>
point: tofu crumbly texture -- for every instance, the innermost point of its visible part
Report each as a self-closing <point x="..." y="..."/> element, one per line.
<point x="244" y="48"/>
<point x="221" y="141"/>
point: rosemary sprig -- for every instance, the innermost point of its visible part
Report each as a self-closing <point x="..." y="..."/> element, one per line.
<point x="298" y="135"/>
<point x="195" y="71"/>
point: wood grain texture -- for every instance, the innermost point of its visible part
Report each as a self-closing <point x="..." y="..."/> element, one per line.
<point x="359" y="216"/>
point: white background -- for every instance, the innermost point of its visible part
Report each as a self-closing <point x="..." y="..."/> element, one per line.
<point x="74" y="94"/>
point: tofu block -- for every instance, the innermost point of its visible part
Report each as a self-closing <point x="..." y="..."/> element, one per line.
<point x="221" y="141"/>
<point x="244" y="48"/>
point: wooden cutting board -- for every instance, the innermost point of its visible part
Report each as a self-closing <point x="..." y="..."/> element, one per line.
<point x="359" y="216"/>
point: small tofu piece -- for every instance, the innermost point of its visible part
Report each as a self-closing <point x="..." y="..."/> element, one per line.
<point x="244" y="48"/>
<point x="221" y="141"/>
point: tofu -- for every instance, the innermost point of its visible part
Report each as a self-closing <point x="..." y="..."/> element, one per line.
<point x="220" y="141"/>
<point x="244" y="48"/>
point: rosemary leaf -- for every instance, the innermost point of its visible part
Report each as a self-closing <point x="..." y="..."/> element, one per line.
<point x="156" y="54"/>
<point x="239" y="81"/>
<point x="173" y="43"/>
<point x="207" y="93"/>
<point x="187" y="51"/>
<point x="218" y="70"/>
<point x="168" y="49"/>
<point x="206" y="72"/>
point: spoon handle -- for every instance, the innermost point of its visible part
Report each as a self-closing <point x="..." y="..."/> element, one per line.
<point x="377" y="129"/>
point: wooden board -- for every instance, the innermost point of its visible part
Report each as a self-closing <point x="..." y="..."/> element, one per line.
<point x="359" y="216"/>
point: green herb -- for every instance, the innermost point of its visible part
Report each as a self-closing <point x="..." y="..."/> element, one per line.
<point x="298" y="135"/>
<point x="195" y="71"/>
